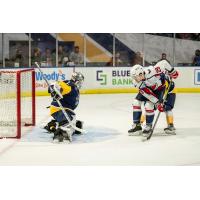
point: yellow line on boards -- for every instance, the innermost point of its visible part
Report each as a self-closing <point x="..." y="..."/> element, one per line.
<point x="121" y="90"/>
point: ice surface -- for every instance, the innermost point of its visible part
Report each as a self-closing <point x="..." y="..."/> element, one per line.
<point x="107" y="118"/>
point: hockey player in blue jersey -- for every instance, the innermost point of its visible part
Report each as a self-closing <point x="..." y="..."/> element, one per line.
<point x="168" y="107"/>
<point x="67" y="92"/>
<point x="151" y="84"/>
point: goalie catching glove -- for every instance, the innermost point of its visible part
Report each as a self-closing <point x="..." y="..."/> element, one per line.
<point x="55" y="90"/>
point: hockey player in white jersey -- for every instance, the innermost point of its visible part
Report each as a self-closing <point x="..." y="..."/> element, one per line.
<point x="151" y="84"/>
<point x="168" y="106"/>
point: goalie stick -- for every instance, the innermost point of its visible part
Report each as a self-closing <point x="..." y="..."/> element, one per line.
<point x="60" y="105"/>
<point x="154" y="125"/>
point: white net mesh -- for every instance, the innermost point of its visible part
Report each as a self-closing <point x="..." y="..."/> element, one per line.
<point x="26" y="98"/>
<point x="9" y="103"/>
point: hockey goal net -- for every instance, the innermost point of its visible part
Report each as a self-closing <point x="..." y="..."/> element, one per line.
<point x="17" y="101"/>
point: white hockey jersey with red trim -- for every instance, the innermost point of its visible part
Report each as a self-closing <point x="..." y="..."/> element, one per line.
<point x="153" y="79"/>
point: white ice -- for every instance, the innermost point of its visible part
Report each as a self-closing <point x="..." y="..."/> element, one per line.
<point x="107" y="118"/>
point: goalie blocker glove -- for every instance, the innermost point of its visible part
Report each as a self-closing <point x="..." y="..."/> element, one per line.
<point x="55" y="90"/>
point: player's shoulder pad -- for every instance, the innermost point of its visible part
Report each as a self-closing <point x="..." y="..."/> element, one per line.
<point x="66" y="88"/>
<point x="149" y="71"/>
<point x="164" y="65"/>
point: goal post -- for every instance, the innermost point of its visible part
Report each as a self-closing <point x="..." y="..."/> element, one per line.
<point x="17" y="101"/>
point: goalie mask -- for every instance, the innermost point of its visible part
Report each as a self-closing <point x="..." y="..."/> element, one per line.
<point x="78" y="79"/>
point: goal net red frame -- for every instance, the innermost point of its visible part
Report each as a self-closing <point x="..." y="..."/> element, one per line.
<point x="17" y="88"/>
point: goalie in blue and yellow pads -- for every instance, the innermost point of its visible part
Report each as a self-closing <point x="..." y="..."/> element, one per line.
<point x="67" y="92"/>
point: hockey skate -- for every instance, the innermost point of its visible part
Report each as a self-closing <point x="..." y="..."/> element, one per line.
<point x="170" y="129"/>
<point x="67" y="133"/>
<point x="51" y="126"/>
<point x="62" y="134"/>
<point x="147" y="130"/>
<point x="58" y="135"/>
<point x="136" y="129"/>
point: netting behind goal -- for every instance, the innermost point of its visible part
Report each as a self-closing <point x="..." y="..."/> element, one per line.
<point x="17" y="101"/>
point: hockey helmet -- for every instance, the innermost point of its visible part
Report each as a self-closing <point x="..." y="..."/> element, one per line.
<point x="77" y="78"/>
<point x="136" y="71"/>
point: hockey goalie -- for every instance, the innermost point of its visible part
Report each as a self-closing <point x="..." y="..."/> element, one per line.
<point x="67" y="93"/>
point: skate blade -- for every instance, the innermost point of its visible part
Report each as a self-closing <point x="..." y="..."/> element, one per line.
<point x="170" y="132"/>
<point x="135" y="133"/>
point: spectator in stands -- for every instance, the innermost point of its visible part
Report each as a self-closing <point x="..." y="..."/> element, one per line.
<point x="163" y="57"/>
<point x="62" y="57"/>
<point x="110" y="62"/>
<point x="48" y="59"/>
<point x="185" y="36"/>
<point x="196" y="59"/>
<point x="8" y="62"/>
<point x="196" y="36"/>
<point x="168" y="34"/>
<point x="138" y="58"/>
<point x="18" y="59"/>
<point x="76" y="57"/>
<point x="36" y="56"/>
<point x="118" y="61"/>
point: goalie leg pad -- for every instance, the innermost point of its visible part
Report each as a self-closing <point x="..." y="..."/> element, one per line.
<point x="67" y="132"/>
<point x="62" y="133"/>
<point x="60" y="117"/>
<point x="58" y="135"/>
<point x="64" y="123"/>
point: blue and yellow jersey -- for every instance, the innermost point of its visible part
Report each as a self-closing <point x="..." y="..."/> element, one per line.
<point x="172" y="88"/>
<point x="70" y="96"/>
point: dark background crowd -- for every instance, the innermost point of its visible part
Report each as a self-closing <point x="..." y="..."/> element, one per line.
<point x="43" y="50"/>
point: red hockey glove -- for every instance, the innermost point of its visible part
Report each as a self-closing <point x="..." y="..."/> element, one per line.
<point x="160" y="107"/>
<point x="174" y="74"/>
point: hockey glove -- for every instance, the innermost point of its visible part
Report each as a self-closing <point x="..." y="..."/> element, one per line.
<point x="54" y="95"/>
<point x="174" y="74"/>
<point x="56" y="91"/>
<point x="160" y="107"/>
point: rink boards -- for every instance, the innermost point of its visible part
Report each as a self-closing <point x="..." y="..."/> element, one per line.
<point x="110" y="80"/>
<point x="113" y="79"/>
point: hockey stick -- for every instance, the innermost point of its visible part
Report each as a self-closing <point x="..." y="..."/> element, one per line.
<point x="60" y="105"/>
<point x="154" y="125"/>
